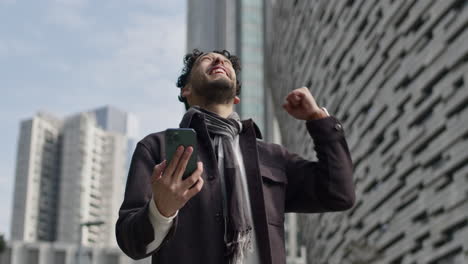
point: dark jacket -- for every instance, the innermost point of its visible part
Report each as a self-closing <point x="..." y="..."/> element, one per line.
<point x="278" y="182"/>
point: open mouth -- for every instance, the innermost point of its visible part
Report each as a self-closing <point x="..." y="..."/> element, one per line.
<point x="217" y="70"/>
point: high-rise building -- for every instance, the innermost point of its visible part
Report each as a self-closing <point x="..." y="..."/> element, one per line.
<point x="35" y="198"/>
<point x="92" y="180"/>
<point x="250" y="50"/>
<point x="112" y="119"/>
<point x="211" y="25"/>
<point x="71" y="171"/>
<point x="395" y="74"/>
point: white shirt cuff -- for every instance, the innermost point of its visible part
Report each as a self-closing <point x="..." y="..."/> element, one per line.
<point x="158" y="217"/>
<point x="161" y="226"/>
<point x="325" y="110"/>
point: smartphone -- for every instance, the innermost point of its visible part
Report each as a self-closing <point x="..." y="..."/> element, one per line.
<point x="174" y="137"/>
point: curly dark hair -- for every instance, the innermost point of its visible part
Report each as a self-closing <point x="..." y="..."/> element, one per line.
<point x="189" y="60"/>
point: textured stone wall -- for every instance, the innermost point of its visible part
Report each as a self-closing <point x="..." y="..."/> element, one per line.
<point x="396" y="74"/>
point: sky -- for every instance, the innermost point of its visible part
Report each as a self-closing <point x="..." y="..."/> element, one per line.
<point x="68" y="56"/>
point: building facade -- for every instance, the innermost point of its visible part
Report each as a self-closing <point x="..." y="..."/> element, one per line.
<point x="20" y="252"/>
<point x="112" y="119"/>
<point x="71" y="171"/>
<point x="211" y="25"/>
<point x="92" y="180"/>
<point x="395" y="74"/>
<point x="250" y="49"/>
<point x="35" y="198"/>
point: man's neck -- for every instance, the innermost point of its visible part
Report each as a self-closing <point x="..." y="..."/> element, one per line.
<point x="223" y="110"/>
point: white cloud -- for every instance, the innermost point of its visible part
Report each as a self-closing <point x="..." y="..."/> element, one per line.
<point x="18" y="47"/>
<point x="7" y="2"/>
<point x="3" y="49"/>
<point x="163" y="6"/>
<point x="74" y="3"/>
<point x="57" y="66"/>
<point x="6" y="184"/>
<point x="154" y="118"/>
<point x="147" y="60"/>
<point x="68" y="13"/>
<point x="149" y="47"/>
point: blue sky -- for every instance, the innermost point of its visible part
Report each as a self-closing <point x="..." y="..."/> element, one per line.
<point x="67" y="56"/>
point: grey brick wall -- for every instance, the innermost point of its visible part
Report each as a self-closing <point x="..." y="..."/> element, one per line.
<point x="396" y="74"/>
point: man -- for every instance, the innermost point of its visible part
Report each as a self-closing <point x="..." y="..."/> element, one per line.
<point x="231" y="209"/>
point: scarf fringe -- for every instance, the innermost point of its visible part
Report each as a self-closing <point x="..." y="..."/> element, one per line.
<point x="241" y="245"/>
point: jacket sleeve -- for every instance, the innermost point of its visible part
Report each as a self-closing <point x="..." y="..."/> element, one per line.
<point x="134" y="230"/>
<point x="324" y="185"/>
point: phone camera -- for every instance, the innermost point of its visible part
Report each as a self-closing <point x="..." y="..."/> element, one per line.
<point x="174" y="137"/>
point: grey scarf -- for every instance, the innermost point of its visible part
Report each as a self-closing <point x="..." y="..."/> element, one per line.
<point x="237" y="220"/>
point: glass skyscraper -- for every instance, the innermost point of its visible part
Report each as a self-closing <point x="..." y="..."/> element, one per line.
<point x="250" y="49"/>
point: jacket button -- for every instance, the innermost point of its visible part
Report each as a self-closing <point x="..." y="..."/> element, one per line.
<point x="219" y="217"/>
<point x="338" y="127"/>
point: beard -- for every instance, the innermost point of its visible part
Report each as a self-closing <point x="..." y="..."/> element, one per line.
<point x="217" y="91"/>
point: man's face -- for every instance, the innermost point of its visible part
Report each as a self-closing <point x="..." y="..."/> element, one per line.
<point x="213" y="78"/>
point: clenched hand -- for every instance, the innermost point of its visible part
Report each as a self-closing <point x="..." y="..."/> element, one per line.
<point x="301" y="105"/>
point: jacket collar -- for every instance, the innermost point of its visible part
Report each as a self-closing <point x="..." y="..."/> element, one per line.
<point x="250" y="123"/>
<point x="186" y="121"/>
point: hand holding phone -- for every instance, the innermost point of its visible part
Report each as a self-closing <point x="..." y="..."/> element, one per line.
<point x="177" y="179"/>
